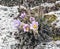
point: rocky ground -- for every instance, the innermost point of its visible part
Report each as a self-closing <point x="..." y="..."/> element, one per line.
<point x="7" y="29"/>
<point x="49" y="45"/>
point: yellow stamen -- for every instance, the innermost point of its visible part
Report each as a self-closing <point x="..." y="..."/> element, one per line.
<point x="27" y="28"/>
<point x="35" y="26"/>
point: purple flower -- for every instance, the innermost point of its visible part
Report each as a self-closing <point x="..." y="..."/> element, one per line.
<point x="26" y="27"/>
<point x="34" y="25"/>
<point x="16" y="23"/>
<point x="32" y="19"/>
<point x="23" y="15"/>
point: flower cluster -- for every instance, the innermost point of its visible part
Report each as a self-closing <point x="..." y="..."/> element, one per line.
<point x="31" y="23"/>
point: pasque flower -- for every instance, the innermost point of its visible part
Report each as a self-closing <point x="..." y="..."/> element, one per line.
<point x="16" y="23"/>
<point x="26" y="27"/>
<point x="32" y="19"/>
<point x="23" y="15"/>
<point x="34" y="25"/>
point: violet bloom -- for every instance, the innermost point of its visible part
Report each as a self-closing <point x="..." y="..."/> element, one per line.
<point x="34" y="25"/>
<point x="16" y="23"/>
<point x="32" y="19"/>
<point x="23" y="15"/>
<point x="26" y="27"/>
